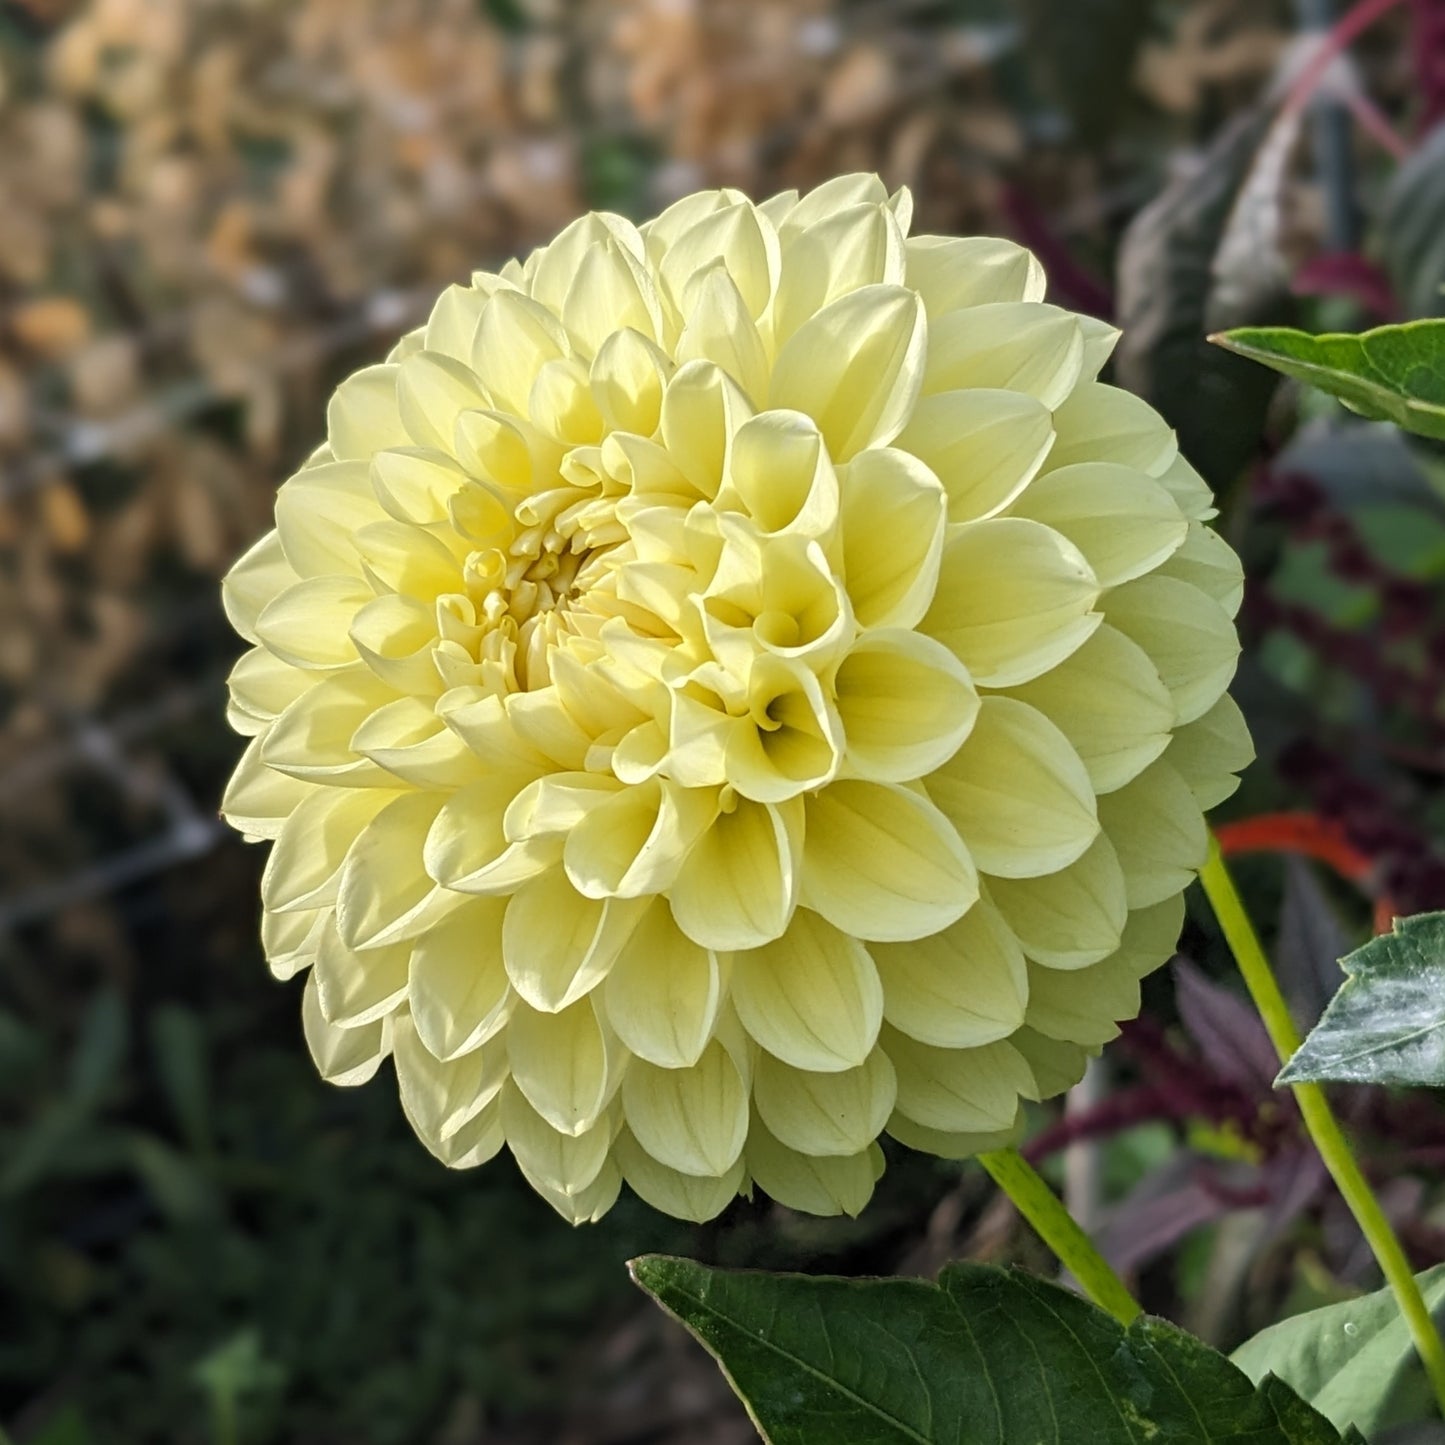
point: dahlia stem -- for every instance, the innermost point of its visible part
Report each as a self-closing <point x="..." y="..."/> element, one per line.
<point x="1320" y="1120"/>
<point x="1058" y="1229"/>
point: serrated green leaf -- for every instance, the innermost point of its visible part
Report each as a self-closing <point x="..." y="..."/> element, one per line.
<point x="1352" y="1361"/>
<point x="1393" y="373"/>
<point x="984" y="1357"/>
<point x="1386" y="1025"/>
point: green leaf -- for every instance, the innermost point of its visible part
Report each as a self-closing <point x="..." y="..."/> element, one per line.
<point x="1352" y="1361"/>
<point x="1386" y="1025"/>
<point x="179" y="1044"/>
<point x="984" y="1357"/>
<point x="1393" y="373"/>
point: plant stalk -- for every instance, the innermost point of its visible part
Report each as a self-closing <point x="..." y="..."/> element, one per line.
<point x="1033" y="1198"/>
<point x="1320" y="1120"/>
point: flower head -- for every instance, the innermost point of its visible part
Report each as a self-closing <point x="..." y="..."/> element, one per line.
<point x="727" y="689"/>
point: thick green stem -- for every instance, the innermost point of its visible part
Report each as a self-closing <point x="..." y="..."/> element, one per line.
<point x="1319" y="1119"/>
<point x="1033" y="1198"/>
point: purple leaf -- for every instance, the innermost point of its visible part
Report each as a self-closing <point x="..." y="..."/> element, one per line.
<point x="1228" y="1031"/>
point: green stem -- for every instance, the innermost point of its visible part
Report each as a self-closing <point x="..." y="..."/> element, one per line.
<point x="1319" y="1119"/>
<point x="1033" y="1198"/>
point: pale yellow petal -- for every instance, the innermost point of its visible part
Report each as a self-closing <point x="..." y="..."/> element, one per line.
<point x="985" y="445"/>
<point x="358" y="988"/>
<point x="342" y="1056"/>
<point x="882" y="862"/>
<point x="1099" y="423"/>
<point x="565" y="1063"/>
<point x="439" y="1098"/>
<point x="951" y="272"/>
<point x="1209" y="752"/>
<point x="811" y="998"/>
<point x="739" y="885"/>
<point x="384" y="886"/>
<point x="958" y="1091"/>
<point x="694" y="1119"/>
<point x="318" y="513"/>
<point x="1015" y="345"/>
<point x="308" y="624"/>
<point x="812" y="1183"/>
<point x="664" y="992"/>
<point x="566" y="1164"/>
<point x="1108" y="700"/>
<point x="1071" y="918"/>
<point x="457" y="986"/>
<point x="362" y="417"/>
<point x="1157" y="828"/>
<point x="906" y="704"/>
<point x="1014" y="598"/>
<point x="855" y="367"/>
<point x="1123" y="521"/>
<point x="304" y="868"/>
<point x="684" y="1196"/>
<point x="830" y="1114"/>
<point x="960" y="988"/>
<point x="1017" y="793"/>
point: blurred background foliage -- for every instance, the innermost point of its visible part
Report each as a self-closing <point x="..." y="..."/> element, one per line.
<point x="210" y="210"/>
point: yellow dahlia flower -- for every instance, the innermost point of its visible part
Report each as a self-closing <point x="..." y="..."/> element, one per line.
<point x="727" y="689"/>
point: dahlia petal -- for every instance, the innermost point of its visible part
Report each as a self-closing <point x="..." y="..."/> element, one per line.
<point x="664" y="992"/>
<point x="894" y="512"/>
<point x="906" y="704"/>
<point x="1208" y="562"/>
<point x="592" y="1203"/>
<point x="781" y="475"/>
<point x="1025" y="346"/>
<point x="1100" y="339"/>
<point x="552" y="806"/>
<point x="342" y="1056"/>
<point x="1056" y="1066"/>
<point x="565" y="1164"/>
<point x="733" y="236"/>
<point x="262" y="687"/>
<point x="951" y="272"/>
<point x="739" y="884"/>
<point x="307" y="624"/>
<point x="1100" y="423"/>
<point x="419" y="484"/>
<point x="629" y="374"/>
<point x="312" y="739"/>
<point x="258" y="800"/>
<point x="553" y="268"/>
<point x="720" y="330"/>
<point x="453" y="321"/>
<point x="962" y="987"/>
<point x="1017" y="793"/>
<point x="1211" y="750"/>
<point x="398" y="557"/>
<point x="384" y="886"/>
<point x="475" y="1142"/>
<point x="358" y="988"/>
<point x="814" y="1184"/>
<point x="304" y="868"/>
<point x="557" y="944"/>
<point x="457" y="987"/>
<point x="811" y="998"/>
<point x="408" y="739"/>
<point x="701" y="409"/>
<point x="849" y="249"/>
<point x="363" y="416"/>
<point x="1108" y="701"/>
<point x="694" y="1120"/>
<point x="1071" y="918"/>
<point x="394" y="636"/>
<point x="1158" y="831"/>
<point x="515" y="338"/>
<point x="564" y="1063"/>
<point x="1123" y="521"/>
<point x="259" y="576"/>
<point x="958" y="1091"/>
<point x="791" y="742"/>
<point x="505" y="451"/>
<point x="1082" y="1006"/>
<point x="1014" y="599"/>
<point x="882" y="862"/>
<point x="542" y="720"/>
<point x="1188" y="636"/>
<point x="684" y="1196"/>
<point x="946" y="1144"/>
<point x="985" y="445"/>
<point x="839" y="1113"/>
<point x="633" y="843"/>
<point x="483" y="722"/>
<point x="833" y="195"/>
<point x="608" y="290"/>
<point x="561" y="405"/>
<point x="855" y="367"/>
<point x="1189" y="490"/>
<point x="290" y="940"/>
<point x="467" y="849"/>
<point x="318" y="513"/>
<point x="440" y="1098"/>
